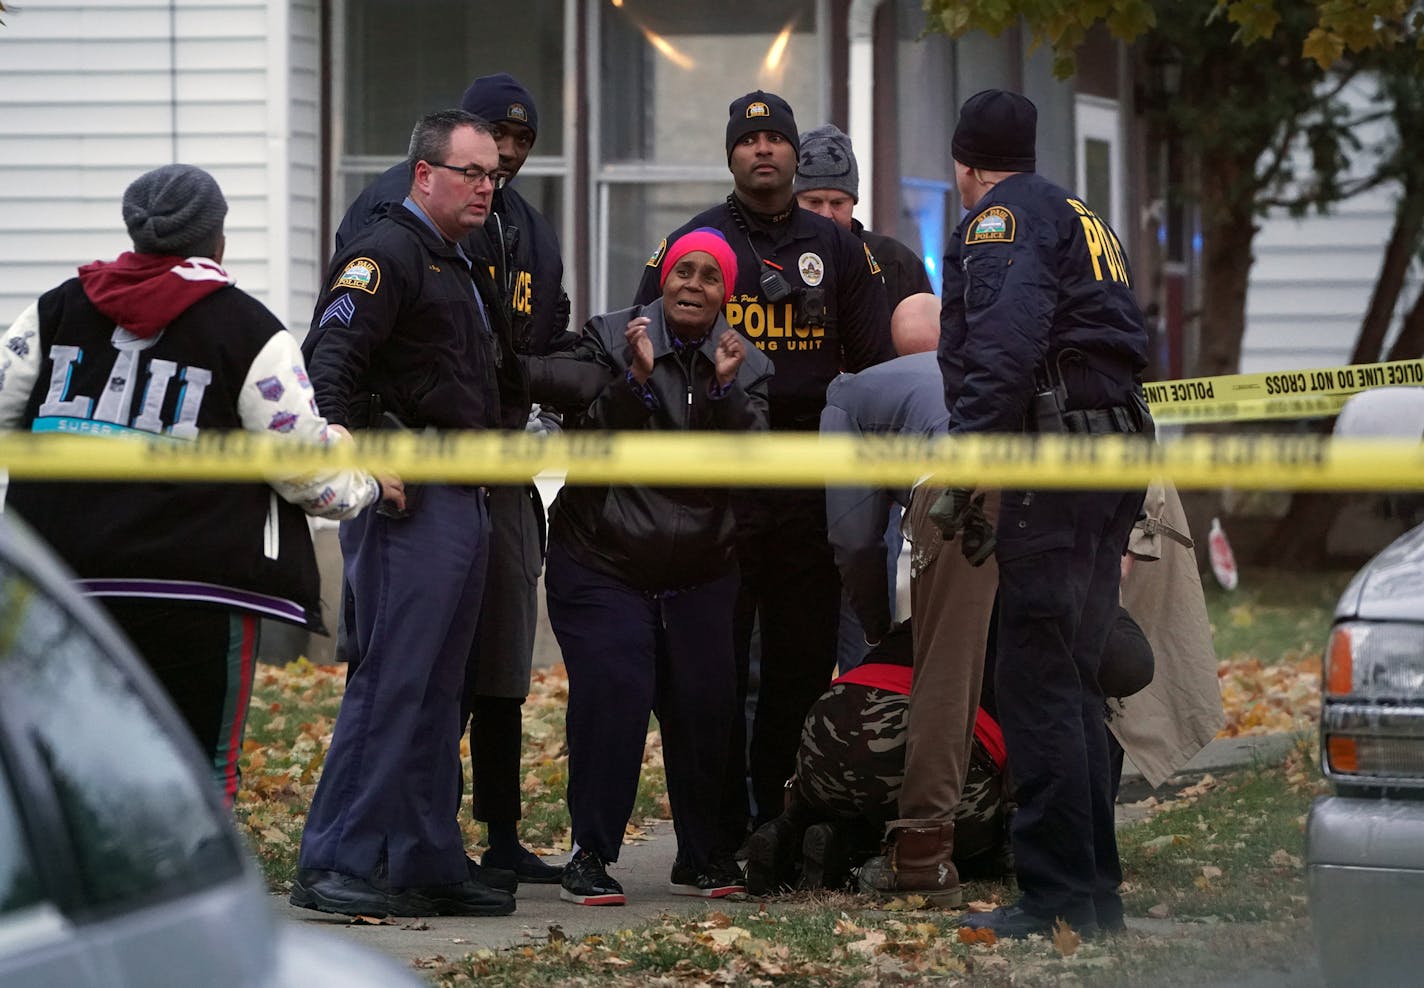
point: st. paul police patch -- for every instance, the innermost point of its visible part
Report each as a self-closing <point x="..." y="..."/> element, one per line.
<point x="993" y="226"/>
<point x="362" y="273"/>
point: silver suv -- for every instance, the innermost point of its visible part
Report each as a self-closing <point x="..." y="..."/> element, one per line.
<point x="1365" y="844"/>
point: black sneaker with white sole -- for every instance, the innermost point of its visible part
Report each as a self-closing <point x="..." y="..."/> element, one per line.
<point x="586" y="882"/>
<point x="717" y="879"/>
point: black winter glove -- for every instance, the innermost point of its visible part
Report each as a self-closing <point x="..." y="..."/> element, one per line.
<point x="978" y="539"/>
<point x="949" y="511"/>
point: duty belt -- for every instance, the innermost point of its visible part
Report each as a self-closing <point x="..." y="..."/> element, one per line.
<point x="1097" y="421"/>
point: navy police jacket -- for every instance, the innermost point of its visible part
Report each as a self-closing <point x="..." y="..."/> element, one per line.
<point x="517" y="245"/>
<point x="398" y="319"/>
<point x="1030" y="273"/>
<point x="837" y="317"/>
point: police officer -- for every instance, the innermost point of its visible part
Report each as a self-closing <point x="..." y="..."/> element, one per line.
<point x="1040" y="330"/>
<point x="519" y="248"/>
<point x="402" y="329"/>
<point x="828" y="183"/>
<point x="809" y="296"/>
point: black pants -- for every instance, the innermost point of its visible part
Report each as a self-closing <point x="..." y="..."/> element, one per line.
<point x="205" y="657"/>
<point x="790" y="595"/>
<point x="1059" y="563"/>
<point x="630" y="655"/>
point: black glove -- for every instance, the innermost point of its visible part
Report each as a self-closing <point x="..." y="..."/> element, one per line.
<point x="948" y="511"/>
<point x="978" y="539"/>
<point x="562" y="309"/>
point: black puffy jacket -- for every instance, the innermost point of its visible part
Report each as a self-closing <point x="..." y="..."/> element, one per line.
<point x="651" y="538"/>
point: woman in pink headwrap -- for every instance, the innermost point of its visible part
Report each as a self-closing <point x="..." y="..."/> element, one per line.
<point x="642" y="581"/>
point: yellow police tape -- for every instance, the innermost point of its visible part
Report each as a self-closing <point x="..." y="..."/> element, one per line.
<point x="1262" y="462"/>
<point x="1316" y="393"/>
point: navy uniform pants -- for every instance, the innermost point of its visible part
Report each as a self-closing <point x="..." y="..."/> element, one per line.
<point x="790" y="599"/>
<point x="630" y="655"/>
<point x="1059" y="563"/>
<point x="386" y="804"/>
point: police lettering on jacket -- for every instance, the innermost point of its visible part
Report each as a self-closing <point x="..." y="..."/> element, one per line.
<point x="1031" y="272"/>
<point x="834" y="316"/>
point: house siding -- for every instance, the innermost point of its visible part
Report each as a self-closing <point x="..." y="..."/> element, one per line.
<point x="1313" y="277"/>
<point x="97" y="93"/>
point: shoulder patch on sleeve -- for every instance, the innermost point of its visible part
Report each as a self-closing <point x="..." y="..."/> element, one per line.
<point x="657" y="256"/>
<point x="994" y="225"/>
<point x="362" y="274"/>
<point x="340" y="311"/>
<point x="870" y="259"/>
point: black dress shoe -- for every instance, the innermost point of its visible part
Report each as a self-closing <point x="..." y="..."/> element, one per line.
<point x="346" y="895"/>
<point x="496" y="878"/>
<point x="1014" y="923"/>
<point x="467" y="898"/>
<point x="526" y="865"/>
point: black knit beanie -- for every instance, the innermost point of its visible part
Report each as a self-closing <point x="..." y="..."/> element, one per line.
<point x="173" y="210"/>
<point x="760" y="111"/>
<point x="500" y="98"/>
<point x="996" y="131"/>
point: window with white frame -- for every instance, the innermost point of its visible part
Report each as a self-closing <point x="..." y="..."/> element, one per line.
<point x="665" y="75"/>
<point x="394" y="63"/>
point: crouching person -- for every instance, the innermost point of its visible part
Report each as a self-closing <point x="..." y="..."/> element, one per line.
<point x="850" y="773"/>
<point x="641" y="581"/>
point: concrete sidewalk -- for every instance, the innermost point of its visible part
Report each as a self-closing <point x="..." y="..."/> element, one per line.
<point x="643" y="870"/>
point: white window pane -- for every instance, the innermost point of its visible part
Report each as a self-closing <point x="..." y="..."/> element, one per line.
<point x="669" y="71"/>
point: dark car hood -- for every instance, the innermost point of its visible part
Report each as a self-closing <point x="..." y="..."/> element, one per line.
<point x="1390" y="587"/>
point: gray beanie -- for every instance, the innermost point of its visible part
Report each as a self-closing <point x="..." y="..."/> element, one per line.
<point x="827" y="162"/>
<point x="174" y="210"/>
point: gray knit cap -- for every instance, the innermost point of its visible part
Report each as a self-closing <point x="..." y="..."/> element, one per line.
<point x="173" y="210"/>
<point x="827" y="162"/>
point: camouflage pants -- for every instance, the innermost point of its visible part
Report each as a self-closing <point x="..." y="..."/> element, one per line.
<point x="851" y="765"/>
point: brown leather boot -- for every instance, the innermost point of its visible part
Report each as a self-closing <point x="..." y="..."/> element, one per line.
<point x="916" y="862"/>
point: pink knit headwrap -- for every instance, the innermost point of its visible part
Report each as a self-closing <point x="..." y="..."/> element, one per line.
<point x="704" y="238"/>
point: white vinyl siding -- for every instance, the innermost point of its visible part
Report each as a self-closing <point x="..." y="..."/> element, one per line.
<point x="97" y="93"/>
<point x="305" y="259"/>
<point x="1313" y="277"/>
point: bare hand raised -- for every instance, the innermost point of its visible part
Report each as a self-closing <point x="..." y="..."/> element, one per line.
<point x="730" y="354"/>
<point x="640" y="348"/>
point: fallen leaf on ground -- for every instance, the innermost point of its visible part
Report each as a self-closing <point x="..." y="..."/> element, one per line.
<point x="1210" y="871"/>
<point x="1065" y="939"/>
<point x="724" y="938"/>
<point x="1160" y="911"/>
<point x="873" y="941"/>
<point x="981" y="906"/>
<point x="985" y="936"/>
<point x="1166" y="840"/>
<point x="1282" y="858"/>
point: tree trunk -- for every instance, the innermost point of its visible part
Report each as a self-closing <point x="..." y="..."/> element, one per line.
<point x="1228" y="227"/>
<point x="1409" y="344"/>
<point x="1398" y="254"/>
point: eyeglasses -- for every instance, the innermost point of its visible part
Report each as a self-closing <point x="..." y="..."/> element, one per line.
<point x="473" y="174"/>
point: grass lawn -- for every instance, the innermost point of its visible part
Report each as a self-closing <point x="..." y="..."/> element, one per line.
<point x="1273" y="614"/>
